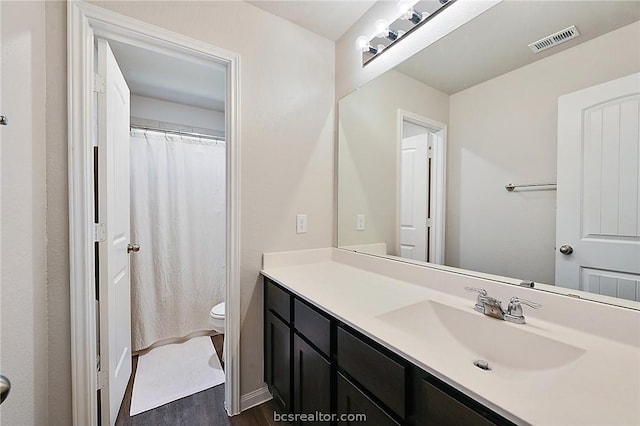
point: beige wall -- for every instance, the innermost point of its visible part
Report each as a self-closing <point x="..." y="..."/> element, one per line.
<point x="287" y="125"/>
<point x="23" y="310"/>
<point x="504" y="131"/>
<point x="59" y="333"/>
<point x="368" y="153"/>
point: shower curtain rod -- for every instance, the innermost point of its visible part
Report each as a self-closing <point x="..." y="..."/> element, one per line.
<point x="180" y="133"/>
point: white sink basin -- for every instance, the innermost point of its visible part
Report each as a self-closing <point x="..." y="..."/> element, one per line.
<point x="465" y="336"/>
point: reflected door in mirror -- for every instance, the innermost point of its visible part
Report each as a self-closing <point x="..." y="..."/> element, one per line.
<point x="599" y="182"/>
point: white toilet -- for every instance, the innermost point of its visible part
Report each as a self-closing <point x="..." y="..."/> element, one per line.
<point x="216" y="318"/>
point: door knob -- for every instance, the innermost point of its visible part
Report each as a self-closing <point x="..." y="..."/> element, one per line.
<point x="133" y="248"/>
<point x="3" y="120"/>
<point x="566" y="249"/>
<point x="5" y="387"/>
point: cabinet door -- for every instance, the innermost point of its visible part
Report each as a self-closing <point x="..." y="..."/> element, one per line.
<point x="278" y="360"/>
<point x="352" y="402"/>
<point x="311" y="380"/>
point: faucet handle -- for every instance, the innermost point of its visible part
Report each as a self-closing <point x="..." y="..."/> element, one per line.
<point x="482" y="294"/>
<point x="482" y="291"/>
<point x="514" y="311"/>
<point x="534" y="305"/>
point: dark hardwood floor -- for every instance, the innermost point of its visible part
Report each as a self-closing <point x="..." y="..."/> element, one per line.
<point x="204" y="408"/>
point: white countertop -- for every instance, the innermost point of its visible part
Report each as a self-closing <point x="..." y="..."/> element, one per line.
<point x="600" y="387"/>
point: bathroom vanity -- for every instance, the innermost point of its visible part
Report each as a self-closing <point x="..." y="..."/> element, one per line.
<point x="350" y="333"/>
<point x="316" y="363"/>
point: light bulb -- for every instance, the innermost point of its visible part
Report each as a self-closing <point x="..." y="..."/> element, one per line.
<point x="363" y="43"/>
<point x="382" y="28"/>
<point x="404" y="6"/>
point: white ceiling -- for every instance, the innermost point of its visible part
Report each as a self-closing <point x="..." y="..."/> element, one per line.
<point x="329" y="18"/>
<point x="160" y="76"/>
<point x="496" y="41"/>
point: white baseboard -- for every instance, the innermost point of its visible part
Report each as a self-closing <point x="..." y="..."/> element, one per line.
<point x="253" y="398"/>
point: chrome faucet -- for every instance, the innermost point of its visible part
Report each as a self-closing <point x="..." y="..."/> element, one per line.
<point x="492" y="307"/>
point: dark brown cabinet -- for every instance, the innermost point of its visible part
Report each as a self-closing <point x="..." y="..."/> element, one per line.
<point x="316" y="364"/>
<point x="439" y="408"/>
<point x="376" y="371"/>
<point x="352" y="402"/>
<point x="278" y="360"/>
<point x="311" y="379"/>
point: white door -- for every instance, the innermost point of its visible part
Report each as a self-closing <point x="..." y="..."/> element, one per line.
<point x="113" y="208"/>
<point x="414" y="190"/>
<point x="598" y="217"/>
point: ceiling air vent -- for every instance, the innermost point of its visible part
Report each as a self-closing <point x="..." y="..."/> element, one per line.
<point x="554" y="39"/>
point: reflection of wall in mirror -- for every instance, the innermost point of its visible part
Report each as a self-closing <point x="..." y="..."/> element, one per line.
<point x="368" y="153"/>
<point x="504" y="130"/>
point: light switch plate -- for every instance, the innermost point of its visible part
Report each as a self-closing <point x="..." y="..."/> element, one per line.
<point x="301" y="224"/>
<point x="360" y="222"/>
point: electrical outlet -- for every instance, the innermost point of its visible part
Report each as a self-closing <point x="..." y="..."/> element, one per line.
<point x="360" y="222"/>
<point x="301" y="223"/>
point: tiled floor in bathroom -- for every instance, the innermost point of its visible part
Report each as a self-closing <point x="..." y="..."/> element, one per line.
<point x="204" y="408"/>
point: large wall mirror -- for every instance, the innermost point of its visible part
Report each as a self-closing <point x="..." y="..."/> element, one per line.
<point x="480" y="154"/>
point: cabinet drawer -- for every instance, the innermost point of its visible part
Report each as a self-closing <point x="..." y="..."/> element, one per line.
<point x="313" y="325"/>
<point x="375" y="371"/>
<point x="352" y="402"/>
<point x="439" y="408"/>
<point x="278" y="300"/>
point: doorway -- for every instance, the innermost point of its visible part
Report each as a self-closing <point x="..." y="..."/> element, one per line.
<point x="161" y="199"/>
<point x="87" y="25"/>
<point x="421" y="188"/>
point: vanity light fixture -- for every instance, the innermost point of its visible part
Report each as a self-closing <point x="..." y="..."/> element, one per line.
<point x="411" y="14"/>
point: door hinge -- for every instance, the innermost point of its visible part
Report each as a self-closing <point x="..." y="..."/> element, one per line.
<point x="103" y="379"/>
<point x="99" y="232"/>
<point x="429" y="223"/>
<point x="430" y="150"/>
<point x="98" y="83"/>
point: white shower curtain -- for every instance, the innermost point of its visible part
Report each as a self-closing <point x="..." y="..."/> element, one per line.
<point x="178" y="218"/>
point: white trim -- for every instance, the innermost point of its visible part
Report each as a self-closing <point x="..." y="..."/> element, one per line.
<point x="256" y="397"/>
<point x="438" y="176"/>
<point x="85" y="21"/>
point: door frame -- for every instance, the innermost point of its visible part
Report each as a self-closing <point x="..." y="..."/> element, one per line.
<point x="438" y="180"/>
<point x="84" y="23"/>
